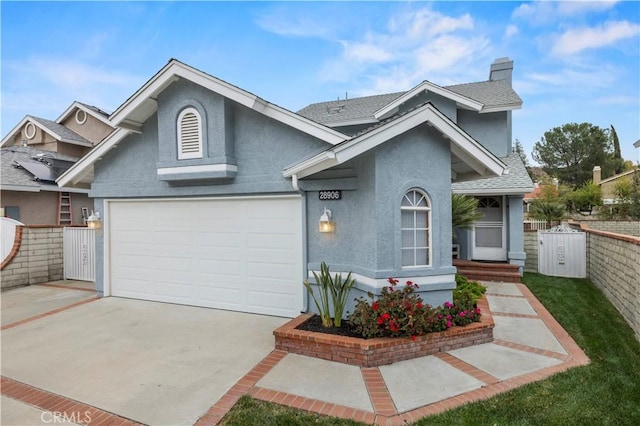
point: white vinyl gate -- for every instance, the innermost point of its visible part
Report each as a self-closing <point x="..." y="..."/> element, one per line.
<point x="79" y="247"/>
<point x="562" y="252"/>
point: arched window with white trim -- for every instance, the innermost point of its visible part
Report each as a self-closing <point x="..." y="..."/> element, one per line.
<point x="189" y="134"/>
<point x="415" y="218"/>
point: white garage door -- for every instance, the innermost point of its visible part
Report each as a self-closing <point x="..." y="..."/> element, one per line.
<point x="242" y="254"/>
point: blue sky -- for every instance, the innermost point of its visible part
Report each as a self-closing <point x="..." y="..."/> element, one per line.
<point x="574" y="61"/>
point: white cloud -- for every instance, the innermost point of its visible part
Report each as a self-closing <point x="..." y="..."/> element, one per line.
<point x="578" y="39"/>
<point x="414" y="46"/>
<point x="543" y="12"/>
<point x="366" y="52"/>
<point x="511" y="31"/>
<point x="288" y="23"/>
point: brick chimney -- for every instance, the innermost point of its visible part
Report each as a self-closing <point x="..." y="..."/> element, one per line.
<point x="597" y="174"/>
<point x="502" y="69"/>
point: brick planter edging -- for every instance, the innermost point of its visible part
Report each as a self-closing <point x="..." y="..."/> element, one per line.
<point x="383" y="350"/>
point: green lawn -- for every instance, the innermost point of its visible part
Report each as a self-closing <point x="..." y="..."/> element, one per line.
<point x="605" y="392"/>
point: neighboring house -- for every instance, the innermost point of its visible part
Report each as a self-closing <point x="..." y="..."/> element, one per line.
<point x="36" y="152"/>
<point x="212" y="196"/>
<point x="535" y="194"/>
<point x="608" y="186"/>
<point x="483" y="111"/>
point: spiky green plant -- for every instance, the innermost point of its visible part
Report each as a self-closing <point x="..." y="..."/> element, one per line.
<point x="464" y="211"/>
<point x="330" y="287"/>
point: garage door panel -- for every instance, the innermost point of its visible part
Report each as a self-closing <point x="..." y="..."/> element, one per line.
<point x="211" y="268"/>
<point x="216" y="296"/>
<point x="233" y="253"/>
<point x="256" y="270"/>
<point x="220" y="239"/>
<point x="270" y="241"/>
<point x="258" y="301"/>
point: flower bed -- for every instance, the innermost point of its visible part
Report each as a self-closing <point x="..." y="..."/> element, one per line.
<point x="383" y="350"/>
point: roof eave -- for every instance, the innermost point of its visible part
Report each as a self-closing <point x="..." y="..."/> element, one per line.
<point x="175" y="69"/>
<point x="482" y="161"/>
<point x="493" y="191"/>
<point x="460" y="100"/>
<point x="500" y="108"/>
<point x="89" y="111"/>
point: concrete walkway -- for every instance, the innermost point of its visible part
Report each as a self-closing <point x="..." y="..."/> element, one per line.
<point x="529" y="346"/>
<point x="119" y="361"/>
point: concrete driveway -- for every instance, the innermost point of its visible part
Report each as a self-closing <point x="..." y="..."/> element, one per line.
<point x="153" y="363"/>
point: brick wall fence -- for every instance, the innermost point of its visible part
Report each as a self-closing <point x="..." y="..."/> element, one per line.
<point x="626" y="227"/>
<point x="531" y="248"/>
<point x="36" y="256"/>
<point x="613" y="265"/>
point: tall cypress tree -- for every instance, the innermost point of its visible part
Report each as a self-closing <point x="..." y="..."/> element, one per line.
<point x="618" y="162"/>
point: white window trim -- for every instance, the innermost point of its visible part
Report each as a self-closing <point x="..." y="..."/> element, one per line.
<point x="429" y="246"/>
<point x="194" y="154"/>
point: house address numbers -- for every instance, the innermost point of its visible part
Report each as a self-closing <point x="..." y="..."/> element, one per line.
<point x="330" y="195"/>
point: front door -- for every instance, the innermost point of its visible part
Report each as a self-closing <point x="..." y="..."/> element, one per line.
<point x="489" y="234"/>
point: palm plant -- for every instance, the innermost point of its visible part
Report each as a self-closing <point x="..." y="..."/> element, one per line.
<point x="464" y="211"/>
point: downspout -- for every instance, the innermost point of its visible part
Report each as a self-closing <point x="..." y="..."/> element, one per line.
<point x="305" y="260"/>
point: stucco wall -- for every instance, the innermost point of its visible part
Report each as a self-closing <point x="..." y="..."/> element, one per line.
<point x="492" y="130"/>
<point x="38" y="258"/>
<point x="93" y="129"/>
<point x="41" y="208"/>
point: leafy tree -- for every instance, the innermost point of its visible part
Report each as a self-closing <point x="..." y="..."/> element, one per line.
<point x="571" y="151"/>
<point x="617" y="160"/>
<point x="549" y="210"/>
<point x="585" y="198"/>
<point x="464" y="211"/>
<point x="519" y="149"/>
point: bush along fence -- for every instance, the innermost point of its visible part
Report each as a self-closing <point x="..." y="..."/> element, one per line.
<point x="613" y="265"/>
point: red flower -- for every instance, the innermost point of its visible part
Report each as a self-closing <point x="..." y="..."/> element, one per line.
<point x="419" y="305"/>
<point x="478" y="311"/>
<point x="413" y="337"/>
<point x="409" y="283"/>
<point x="386" y="316"/>
<point x="393" y="326"/>
<point x="380" y="320"/>
<point x="375" y="306"/>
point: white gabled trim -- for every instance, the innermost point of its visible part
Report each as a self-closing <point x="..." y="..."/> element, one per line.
<point x="319" y="162"/>
<point x="462" y="145"/>
<point x="175" y="69"/>
<point x="15" y="130"/>
<point x="500" y="108"/>
<point x="71" y="190"/>
<point x="198" y="169"/>
<point x="67" y="112"/>
<point x="20" y="188"/>
<point x="499" y="191"/>
<point x="353" y="122"/>
<point x="82" y="167"/>
<point x="460" y="100"/>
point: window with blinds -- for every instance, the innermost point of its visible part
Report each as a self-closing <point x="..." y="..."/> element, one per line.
<point x="415" y="218"/>
<point x="189" y="134"/>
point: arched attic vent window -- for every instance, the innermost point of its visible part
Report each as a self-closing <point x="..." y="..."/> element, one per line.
<point x="189" y="134"/>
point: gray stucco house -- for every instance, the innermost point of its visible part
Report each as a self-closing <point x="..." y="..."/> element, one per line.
<point x="212" y="196"/>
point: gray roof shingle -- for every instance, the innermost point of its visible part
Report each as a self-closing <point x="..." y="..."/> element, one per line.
<point x="516" y="181"/>
<point x="494" y="93"/>
<point x="347" y="109"/>
<point x="60" y="130"/>
<point x="491" y="94"/>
